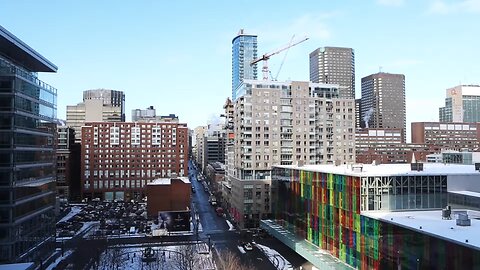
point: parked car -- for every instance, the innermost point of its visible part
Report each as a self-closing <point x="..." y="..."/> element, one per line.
<point x="248" y="246"/>
<point x="193" y="189"/>
<point x="219" y="211"/>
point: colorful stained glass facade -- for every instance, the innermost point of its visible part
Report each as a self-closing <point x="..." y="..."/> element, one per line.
<point x="325" y="210"/>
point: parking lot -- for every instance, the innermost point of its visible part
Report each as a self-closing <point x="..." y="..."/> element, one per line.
<point x="105" y="219"/>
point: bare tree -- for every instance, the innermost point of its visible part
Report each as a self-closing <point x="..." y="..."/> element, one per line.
<point x="185" y="258"/>
<point x="229" y="261"/>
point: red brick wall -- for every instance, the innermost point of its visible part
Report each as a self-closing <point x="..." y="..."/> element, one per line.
<point x="174" y="197"/>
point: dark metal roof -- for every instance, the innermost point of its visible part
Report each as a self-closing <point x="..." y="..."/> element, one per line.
<point x="23" y="55"/>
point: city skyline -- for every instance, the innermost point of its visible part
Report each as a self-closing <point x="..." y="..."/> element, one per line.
<point x="134" y="48"/>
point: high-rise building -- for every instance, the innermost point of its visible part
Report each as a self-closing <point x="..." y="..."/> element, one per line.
<point x="68" y="164"/>
<point x="334" y="65"/>
<point x="199" y="132"/>
<point x="383" y="101"/>
<point x="284" y="123"/>
<point x="119" y="159"/>
<point x="462" y="104"/>
<point x="99" y="105"/>
<point x="28" y="112"/>
<point x="244" y="51"/>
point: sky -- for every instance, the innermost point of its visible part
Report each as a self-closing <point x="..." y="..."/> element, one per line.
<point x="176" y="55"/>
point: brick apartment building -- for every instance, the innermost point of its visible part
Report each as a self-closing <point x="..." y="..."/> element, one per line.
<point x="452" y="135"/>
<point x="119" y="159"/>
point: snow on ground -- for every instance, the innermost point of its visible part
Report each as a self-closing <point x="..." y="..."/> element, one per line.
<point x="230" y="226"/>
<point x="275" y="258"/>
<point x="75" y="210"/>
<point x="59" y="259"/>
<point x="164" y="257"/>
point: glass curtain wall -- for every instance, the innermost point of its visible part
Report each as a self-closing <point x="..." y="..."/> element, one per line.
<point x="27" y="164"/>
<point x="325" y="209"/>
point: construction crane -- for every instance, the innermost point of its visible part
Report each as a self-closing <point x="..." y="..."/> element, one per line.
<point x="267" y="56"/>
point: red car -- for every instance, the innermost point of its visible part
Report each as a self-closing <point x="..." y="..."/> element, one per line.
<point x="219" y="211"/>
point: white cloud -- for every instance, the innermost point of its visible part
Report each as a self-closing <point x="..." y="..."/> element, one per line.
<point x="391" y="3"/>
<point x="449" y="7"/>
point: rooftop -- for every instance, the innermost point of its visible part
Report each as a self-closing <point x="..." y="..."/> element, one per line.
<point x="21" y="54"/>
<point x="388" y="169"/>
<point x="431" y="223"/>
<point x="168" y="181"/>
<point x="467" y="193"/>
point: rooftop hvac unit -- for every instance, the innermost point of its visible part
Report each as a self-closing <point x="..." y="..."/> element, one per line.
<point x="477" y="166"/>
<point x="416" y="166"/>
<point x="463" y="220"/>
<point x="446" y="213"/>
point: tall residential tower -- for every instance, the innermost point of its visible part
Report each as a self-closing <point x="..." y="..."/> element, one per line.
<point x="334" y="65"/>
<point x="244" y="50"/>
<point x="283" y="123"/>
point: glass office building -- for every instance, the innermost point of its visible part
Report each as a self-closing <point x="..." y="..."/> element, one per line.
<point x="335" y="209"/>
<point x="244" y="51"/>
<point x="27" y="153"/>
<point x="462" y="104"/>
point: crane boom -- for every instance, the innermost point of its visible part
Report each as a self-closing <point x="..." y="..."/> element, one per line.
<point x="267" y="56"/>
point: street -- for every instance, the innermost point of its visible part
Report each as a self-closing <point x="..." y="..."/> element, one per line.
<point x="222" y="239"/>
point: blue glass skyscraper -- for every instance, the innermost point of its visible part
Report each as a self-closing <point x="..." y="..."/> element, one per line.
<point x="244" y="50"/>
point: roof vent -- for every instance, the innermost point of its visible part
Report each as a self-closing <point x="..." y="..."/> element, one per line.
<point x="463" y="220"/>
<point x="357" y="167"/>
<point x="416" y="166"/>
<point x="446" y="213"/>
<point x="477" y="167"/>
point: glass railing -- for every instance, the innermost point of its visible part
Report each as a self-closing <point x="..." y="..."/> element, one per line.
<point x="8" y="67"/>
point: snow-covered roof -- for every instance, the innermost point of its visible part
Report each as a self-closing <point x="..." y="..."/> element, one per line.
<point x="388" y="169"/>
<point x="466" y="192"/>
<point x="168" y="181"/>
<point x="431" y="223"/>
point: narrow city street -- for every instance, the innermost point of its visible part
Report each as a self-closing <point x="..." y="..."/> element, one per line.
<point x="216" y="229"/>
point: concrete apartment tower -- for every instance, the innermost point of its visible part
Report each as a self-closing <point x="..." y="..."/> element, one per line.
<point x="283" y="123"/>
<point x="334" y="65"/>
<point x="244" y="50"/>
<point x="383" y="101"/>
<point x="28" y="112"/>
<point x="99" y="105"/>
<point x="462" y="104"/>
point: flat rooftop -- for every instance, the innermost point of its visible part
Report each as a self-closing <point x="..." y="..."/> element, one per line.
<point x="431" y="223"/>
<point x="388" y="169"/>
<point x="23" y="55"/>
<point x="168" y="181"/>
<point x="466" y="192"/>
